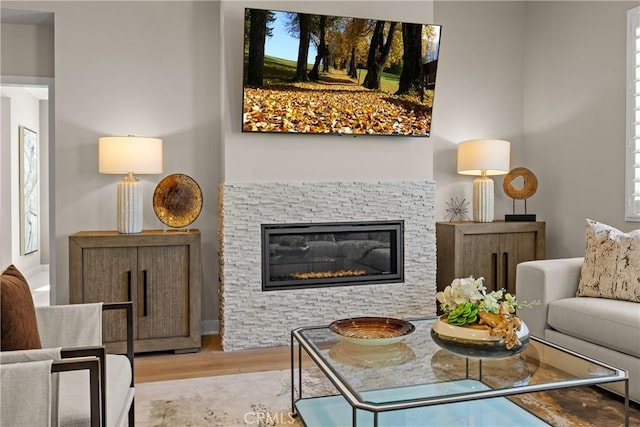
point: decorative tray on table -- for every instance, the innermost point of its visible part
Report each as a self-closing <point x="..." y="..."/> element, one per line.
<point x="372" y="331"/>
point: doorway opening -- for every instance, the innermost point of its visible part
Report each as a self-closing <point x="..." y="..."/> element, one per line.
<point x="26" y="180"/>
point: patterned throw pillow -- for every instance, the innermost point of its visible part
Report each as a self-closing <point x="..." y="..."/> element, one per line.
<point x="611" y="266"/>
<point x="18" y="324"/>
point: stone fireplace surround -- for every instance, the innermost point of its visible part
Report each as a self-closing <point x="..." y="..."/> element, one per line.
<point x="251" y="318"/>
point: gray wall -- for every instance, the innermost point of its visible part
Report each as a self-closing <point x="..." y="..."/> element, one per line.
<point x="27" y="50"/>
<point x="478" y="90"/>
<point x="574" y="116"/>
<point x="6" y="217"/>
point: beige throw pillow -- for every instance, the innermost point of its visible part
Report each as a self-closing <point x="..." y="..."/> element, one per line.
<point x="611" y="266"/>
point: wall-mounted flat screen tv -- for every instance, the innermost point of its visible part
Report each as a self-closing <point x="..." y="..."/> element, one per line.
<point x="323" y="74"/>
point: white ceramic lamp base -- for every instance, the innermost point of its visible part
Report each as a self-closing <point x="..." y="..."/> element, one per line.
<point x="483" y="199"/>
<point x="129" y="206"/>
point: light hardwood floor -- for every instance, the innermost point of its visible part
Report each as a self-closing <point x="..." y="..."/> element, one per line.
<point x="209" y="361"/>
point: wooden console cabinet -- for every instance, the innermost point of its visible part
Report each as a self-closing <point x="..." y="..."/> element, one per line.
<point x="490" y="250"/>
<point x="159" y="271"/>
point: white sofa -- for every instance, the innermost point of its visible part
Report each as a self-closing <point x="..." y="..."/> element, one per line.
<point x="607" y="330"/>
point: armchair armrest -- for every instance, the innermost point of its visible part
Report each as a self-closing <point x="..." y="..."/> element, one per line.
<point x="64" y="360"/>
<point x="33" y="379"/>
<point x="128" y="307"/>
<point x="545" y="281"/>
<point x="96" y="395"/>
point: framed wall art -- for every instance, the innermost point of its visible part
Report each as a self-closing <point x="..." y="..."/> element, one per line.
<point x="29" y="200"/>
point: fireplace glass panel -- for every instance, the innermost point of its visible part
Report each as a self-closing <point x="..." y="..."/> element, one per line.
<point x="337" y="254"/>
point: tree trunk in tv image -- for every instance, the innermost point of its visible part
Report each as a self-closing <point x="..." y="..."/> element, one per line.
<point x="257" y="39"/>
<point x="307" y="73"/>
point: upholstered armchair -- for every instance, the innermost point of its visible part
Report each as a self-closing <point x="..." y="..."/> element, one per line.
<point x="63" y="368"/>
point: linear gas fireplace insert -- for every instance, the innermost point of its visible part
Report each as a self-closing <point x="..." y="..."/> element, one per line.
<point x="296" y="256"/>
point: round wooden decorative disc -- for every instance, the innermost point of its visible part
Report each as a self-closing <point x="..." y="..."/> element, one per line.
<point x="177" y="200"/>
<point x="520" y="183"/>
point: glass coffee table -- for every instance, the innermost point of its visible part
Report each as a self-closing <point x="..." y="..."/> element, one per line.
<point x="416" y="383"/>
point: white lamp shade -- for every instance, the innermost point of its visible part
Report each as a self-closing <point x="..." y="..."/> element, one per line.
<point x="489" y="155"/>
<point x="124" y="154"/>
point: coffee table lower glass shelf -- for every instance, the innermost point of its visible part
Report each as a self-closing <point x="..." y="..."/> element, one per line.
<point x="497" y="411"/>
<point x="414" y="383"/>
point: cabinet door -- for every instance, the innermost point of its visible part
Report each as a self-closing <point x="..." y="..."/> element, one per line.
<point x="480" y="258"/>
<point x="163" y="292"/>
<point x="515" y="248"/>
<point x="109" y="275"/>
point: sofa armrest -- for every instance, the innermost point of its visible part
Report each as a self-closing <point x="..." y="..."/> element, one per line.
<point x="544" y="281"/>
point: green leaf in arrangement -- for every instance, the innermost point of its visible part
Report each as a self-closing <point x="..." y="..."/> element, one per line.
<point x="463" y="314"/>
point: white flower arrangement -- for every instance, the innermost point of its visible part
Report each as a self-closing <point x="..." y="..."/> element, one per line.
<point x="464" y="298"/>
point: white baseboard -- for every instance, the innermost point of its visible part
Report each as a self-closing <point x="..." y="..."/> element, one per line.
<point x="209" y="327"/>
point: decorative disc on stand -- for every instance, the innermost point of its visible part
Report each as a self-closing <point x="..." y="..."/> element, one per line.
<point x="177" y="200"/>
<point x="520" y="184"/>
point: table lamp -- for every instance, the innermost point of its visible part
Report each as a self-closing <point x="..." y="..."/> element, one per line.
<point x="482" y="158"/>
<point x="129" y="155"/>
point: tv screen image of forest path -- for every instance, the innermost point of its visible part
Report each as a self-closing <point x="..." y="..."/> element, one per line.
<point x="323" y="74"/>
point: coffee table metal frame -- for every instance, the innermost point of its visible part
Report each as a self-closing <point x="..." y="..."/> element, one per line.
<point x="351" y="396"/>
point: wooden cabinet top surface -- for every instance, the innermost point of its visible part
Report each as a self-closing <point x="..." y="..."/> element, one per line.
<point x="143" y="233"/>
<point x="499" y="226"/>
<point x="112" y="238"/>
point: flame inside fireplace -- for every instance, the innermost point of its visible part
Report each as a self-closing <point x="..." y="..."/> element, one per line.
<point x="328" y="274"/>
